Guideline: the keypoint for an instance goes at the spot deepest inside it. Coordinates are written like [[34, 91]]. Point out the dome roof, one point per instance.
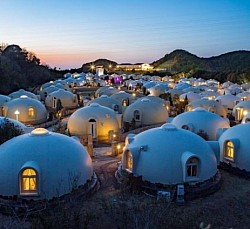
[[68, 99], [105, 119], [21, 92], [228, 100], [121, 95], [107, 101], [160, 154], [209, 105], [201, 120], [151, 112], [23, 104], [239, 136], [57, 158]]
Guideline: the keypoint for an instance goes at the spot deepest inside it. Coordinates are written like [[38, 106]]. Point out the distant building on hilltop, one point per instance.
[[135, 67], [99, 70]]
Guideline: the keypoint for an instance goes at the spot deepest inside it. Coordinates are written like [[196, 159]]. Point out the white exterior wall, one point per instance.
[[58, 158]]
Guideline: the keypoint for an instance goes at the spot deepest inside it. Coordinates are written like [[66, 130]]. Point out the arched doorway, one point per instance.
[[92, 128]]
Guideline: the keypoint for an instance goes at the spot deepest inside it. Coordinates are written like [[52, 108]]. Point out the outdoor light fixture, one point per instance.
[[17, 113]]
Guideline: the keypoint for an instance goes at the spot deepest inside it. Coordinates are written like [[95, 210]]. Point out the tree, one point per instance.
[[9, 130]]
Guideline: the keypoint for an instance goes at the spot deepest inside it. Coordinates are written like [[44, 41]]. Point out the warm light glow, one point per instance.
[[118, 146], [129, 161], [39, 131], [245, 113], [133, 94], [92, 67], [29, 181], [31, 112], [229, 150], [17, 112]]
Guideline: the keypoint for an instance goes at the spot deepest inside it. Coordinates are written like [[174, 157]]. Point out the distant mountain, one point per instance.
[[232, 66], [183, 61]]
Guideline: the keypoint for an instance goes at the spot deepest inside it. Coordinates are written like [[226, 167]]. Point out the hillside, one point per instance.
[[100, 62], [22, 69], [181, 60], [233, 66]]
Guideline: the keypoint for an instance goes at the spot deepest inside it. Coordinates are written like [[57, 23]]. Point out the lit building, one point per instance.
[[25, 110], [95, 120], [234, 147], [168, 156], [145, 112], [201, 122], [43, 165]]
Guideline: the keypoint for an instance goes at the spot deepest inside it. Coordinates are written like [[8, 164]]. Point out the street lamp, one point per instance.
[[92, 67], [118, 148], [17, 113]]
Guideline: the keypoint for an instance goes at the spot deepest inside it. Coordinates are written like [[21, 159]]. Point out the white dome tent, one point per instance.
[[68, 99], [144, 112], [168, 156], [46, 165], [25, 110], [96, 120], [200, 121], [241, 110], [107, 101], [234, 146], [209, 105], [20, 92], [229, 101]]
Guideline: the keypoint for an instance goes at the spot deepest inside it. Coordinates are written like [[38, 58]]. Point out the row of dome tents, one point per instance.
[[69, 100], [146, 155], [191, 165]]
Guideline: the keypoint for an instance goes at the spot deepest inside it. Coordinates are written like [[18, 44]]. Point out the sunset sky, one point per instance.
[[68, 33]]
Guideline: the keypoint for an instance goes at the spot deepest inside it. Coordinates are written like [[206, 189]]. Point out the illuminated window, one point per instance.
[[137, 115], [129, 161], [31, 112], [124, 103], [192, 167], [229, 150], [28, 181]]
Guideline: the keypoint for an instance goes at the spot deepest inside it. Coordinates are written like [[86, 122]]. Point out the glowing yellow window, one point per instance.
[[31, 112], [28, 181], [129, 161], [229, 150], [124, 103]]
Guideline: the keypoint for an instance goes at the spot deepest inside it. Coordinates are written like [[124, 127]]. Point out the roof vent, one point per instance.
[[145, 100], [94, 105], [39, 131], [104, 96], [23, 96], [199, 109], [168, 127]]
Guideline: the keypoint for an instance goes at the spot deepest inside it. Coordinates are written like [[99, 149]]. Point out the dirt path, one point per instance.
[[105, 167]]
